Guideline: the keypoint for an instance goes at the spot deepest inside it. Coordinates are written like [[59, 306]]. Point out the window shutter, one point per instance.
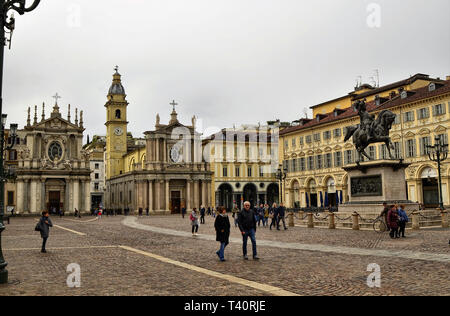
[[422, 147]]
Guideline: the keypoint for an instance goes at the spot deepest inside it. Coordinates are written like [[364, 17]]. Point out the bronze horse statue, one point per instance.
[[370, 131]]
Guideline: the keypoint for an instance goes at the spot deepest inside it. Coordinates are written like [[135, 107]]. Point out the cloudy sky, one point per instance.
[[226, 61]]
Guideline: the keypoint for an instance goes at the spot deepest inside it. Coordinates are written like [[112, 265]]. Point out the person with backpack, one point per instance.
[[402, 220], [44, 228]]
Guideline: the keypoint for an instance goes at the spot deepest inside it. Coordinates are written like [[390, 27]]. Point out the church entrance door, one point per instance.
[[54, 201], [175, 198]]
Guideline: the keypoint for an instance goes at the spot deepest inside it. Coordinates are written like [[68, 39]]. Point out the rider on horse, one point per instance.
[[367, 120]]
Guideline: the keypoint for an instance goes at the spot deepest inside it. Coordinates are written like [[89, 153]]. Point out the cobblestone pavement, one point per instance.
[[107, 269]]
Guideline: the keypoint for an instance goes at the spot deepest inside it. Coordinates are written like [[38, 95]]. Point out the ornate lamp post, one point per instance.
[[281, 176], [438, 153], [7, 25]]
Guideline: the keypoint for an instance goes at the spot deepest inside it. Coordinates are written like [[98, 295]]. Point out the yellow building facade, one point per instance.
[[314, 151]]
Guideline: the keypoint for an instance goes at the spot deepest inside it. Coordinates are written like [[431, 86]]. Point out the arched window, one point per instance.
[[117, 114]]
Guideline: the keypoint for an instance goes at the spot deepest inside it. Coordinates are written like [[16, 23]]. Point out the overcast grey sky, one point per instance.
[[226, 61]]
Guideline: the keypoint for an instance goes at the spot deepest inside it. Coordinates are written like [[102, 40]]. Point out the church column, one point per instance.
[[157, 151], [165, 150], [203, 198], [67, 207], [145, 193], [167, 195], [33, 200], [196, 194], [150, 195], [87, 196], [76, 194], [43, 195], [208, 193], [158, 195], [20, 196], [188, 194]]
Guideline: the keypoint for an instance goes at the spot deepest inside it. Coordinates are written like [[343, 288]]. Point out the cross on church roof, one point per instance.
[[173, 104], [56, 97]]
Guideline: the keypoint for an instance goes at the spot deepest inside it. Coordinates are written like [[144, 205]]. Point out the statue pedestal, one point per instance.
[[374, 182]]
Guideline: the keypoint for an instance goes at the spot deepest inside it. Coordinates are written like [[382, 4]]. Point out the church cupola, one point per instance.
[[117, 87]]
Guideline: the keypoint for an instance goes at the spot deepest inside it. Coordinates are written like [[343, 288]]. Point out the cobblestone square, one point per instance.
[[158, 255]]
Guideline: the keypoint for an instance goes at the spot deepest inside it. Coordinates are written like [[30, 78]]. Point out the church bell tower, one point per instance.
[[116, 127]]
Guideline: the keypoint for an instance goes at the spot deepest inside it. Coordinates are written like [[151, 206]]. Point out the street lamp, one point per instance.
[[281, 176], [7, 25], [438, 153]]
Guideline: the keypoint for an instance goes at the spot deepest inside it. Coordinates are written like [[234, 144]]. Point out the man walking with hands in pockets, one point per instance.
[[247, 226]]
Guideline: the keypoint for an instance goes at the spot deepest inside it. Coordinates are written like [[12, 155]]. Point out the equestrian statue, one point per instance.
[[370, 130]]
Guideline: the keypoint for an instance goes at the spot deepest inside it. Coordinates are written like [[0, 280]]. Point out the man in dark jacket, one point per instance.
[[202, 214], [44, 227], [281, 214], [247, 226]]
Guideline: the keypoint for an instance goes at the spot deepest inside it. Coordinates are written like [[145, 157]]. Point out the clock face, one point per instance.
[[118, 131], [175, 155]]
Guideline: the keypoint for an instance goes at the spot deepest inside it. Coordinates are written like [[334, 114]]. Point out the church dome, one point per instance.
[[116, 88]]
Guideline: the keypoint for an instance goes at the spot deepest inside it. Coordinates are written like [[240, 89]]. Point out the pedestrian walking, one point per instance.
[[247, 226], [266, 215], [281, 214], [384, 215], [235, 212], [147, 211], [44, 228], [402, 220], [183, 212], [274, 215], [99, 213], [260, 212], [194, 221], [202, 214], [393, 222], [222, 226]]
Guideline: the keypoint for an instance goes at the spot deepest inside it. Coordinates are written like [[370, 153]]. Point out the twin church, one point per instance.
[[162, 172]]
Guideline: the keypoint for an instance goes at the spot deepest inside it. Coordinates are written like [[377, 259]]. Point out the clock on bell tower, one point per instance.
[[116, 127]]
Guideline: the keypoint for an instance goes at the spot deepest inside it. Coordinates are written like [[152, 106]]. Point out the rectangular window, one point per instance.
[[96, 186], [338, 159], [424, 142], [301, 140], [308, 139], [409, 116], [10, 198], [97, 166], [410, 148], [397, 150], [238, 172], [397, 119], [328, 161], [423, 113], [294, 144], [302, 164], [348, 157], [286, 145], [317, 137], [443, 139], [383, 152], [326, 135], [439, 109], [225, 172], [337, 133], [12, 155], [97, 176], [319, 162], [372, 153], [311, 163], [249, 171], [261, 171]]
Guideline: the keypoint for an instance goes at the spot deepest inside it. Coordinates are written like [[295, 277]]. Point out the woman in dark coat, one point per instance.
[[393, 222], [44, 225], [222, 226]]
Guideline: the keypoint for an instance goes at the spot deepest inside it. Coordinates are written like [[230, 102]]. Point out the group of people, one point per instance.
[[396, 219], [247, 220]]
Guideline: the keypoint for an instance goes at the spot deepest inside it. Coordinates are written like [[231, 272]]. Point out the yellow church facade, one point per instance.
[[314, 152]]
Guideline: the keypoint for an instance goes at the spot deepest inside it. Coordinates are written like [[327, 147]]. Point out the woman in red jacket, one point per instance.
[[393, 221]]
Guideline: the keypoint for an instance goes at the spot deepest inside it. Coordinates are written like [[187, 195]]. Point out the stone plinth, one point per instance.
[[372, 183]]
